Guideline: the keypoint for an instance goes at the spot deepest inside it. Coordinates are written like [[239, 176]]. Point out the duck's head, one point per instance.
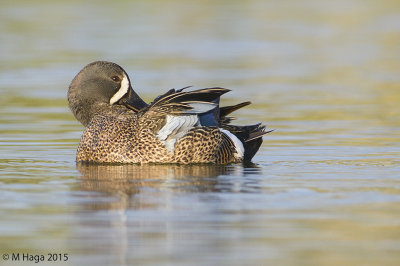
[[100, 85]]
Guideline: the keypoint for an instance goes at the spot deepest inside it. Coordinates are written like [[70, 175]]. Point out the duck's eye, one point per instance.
[[116, 78]]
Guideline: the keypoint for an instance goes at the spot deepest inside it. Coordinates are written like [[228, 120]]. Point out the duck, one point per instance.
[[179, 126]]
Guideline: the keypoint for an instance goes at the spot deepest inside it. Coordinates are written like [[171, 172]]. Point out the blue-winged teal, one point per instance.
[[177, 127]]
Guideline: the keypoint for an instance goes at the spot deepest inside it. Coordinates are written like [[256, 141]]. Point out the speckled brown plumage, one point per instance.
[[109, 139], [177, 127]]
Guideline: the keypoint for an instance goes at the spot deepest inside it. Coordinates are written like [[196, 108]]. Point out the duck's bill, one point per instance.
[[132, 101]]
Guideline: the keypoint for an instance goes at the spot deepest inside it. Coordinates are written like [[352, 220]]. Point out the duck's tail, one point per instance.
[[250, 136]]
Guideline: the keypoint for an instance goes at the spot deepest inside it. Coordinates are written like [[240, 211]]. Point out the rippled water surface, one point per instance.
[[324, 188]]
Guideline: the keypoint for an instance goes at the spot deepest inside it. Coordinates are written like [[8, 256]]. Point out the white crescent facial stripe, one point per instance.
[[238, 144], [122, 90]]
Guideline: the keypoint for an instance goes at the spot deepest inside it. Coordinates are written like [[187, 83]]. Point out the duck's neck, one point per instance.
[[84, 110]]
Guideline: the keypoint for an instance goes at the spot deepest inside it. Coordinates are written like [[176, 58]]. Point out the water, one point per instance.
[[324, 188]]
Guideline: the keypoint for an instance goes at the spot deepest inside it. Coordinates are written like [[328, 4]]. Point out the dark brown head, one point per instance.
[[101, 85]]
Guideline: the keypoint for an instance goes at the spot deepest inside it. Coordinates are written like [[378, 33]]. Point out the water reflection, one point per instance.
[[123, 182], [129, 178]]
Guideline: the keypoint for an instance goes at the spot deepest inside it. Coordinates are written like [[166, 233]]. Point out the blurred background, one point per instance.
[[325, 187]]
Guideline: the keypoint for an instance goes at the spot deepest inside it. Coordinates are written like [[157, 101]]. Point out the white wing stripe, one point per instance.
[[200, 107], [175, 128], [238, 144]]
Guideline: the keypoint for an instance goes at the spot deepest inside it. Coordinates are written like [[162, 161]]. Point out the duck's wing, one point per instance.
[[209, 115], [176, 112], [181, 102], [171, 91]]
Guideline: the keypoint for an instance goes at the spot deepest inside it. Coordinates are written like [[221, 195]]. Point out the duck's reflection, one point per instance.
[[129, 178], [125, 182]]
